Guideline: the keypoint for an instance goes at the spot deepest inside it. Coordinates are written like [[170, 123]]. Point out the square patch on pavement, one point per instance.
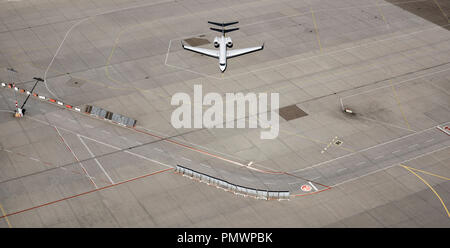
[[291, 112]]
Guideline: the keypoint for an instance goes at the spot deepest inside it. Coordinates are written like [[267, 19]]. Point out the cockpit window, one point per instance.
[[222, 64]]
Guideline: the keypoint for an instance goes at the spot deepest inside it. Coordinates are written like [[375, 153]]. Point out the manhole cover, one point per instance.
[[75, 82]]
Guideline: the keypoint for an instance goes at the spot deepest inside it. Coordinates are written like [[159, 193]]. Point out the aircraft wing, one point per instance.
[[204, 51], [237, 52]]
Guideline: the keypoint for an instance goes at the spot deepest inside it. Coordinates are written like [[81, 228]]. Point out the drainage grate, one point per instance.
[[291, 112], [197, 42]]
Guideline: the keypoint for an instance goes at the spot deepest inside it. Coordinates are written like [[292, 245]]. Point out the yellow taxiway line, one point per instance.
[[429, 186]]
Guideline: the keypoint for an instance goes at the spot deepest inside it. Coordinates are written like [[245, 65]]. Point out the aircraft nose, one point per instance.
[[223, 67]]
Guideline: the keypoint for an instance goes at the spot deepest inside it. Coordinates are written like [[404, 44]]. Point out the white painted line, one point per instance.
[[412, 146], [88, 126], [293, 183], [157, 149], [361, 163], [306, 58], [34, 159], [385, 123], [312, 185], [401, 82], [396, 164], [132, 153], [342, 169], [397, 151], [186, 159], [138, 143], [365, 149], [428, 141], [246, 179], [382, 156], [7, 151], [205, 165], [312, 179], [82, 166], [117, 148], [95, 159]]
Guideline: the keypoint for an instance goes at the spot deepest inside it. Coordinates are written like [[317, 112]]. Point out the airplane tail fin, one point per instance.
[[223, 24]]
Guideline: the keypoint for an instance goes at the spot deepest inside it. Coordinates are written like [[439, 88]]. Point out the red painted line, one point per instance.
[[314, 192], [85, 193], [213, 155], [67, 146]]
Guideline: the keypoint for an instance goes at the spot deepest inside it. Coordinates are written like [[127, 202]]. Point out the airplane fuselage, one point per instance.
[[222, 42]]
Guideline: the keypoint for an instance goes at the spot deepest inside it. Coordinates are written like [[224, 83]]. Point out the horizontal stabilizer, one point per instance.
[[224, 30], [223, 24]]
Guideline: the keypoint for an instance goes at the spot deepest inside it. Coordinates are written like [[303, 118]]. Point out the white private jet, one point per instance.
[[223, 43]]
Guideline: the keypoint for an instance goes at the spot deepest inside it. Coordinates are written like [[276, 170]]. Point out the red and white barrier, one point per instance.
[[44, 98]]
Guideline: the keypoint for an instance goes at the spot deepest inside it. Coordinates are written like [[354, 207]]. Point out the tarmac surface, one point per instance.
[[387, 61]]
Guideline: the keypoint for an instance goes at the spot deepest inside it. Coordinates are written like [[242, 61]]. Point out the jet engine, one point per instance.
[[216, 43], [229, 42]]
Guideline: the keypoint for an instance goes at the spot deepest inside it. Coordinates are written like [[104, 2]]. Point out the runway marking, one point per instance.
[[312, 185], [412, 146], [382, 15], [246, 179], [429, 186], [186, 159], [388, 167], [75, 25], [429, 173], [398, 83], [381, 156], [428, 141], [132, 153], [442, 11], [314, 56], [6, 218], [315, 27], [205, 165], [85, 193], [366, 149], [96, 160], [400, 106], [49, 165], [386, 123], [397, 151], [81, 165]]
